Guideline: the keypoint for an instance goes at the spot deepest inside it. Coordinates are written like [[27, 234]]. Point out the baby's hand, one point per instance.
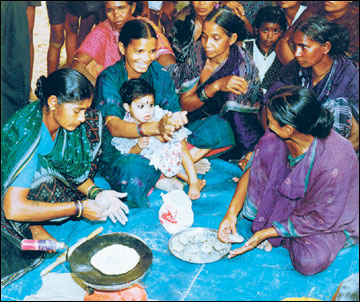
[[143, 142], [179, 119]]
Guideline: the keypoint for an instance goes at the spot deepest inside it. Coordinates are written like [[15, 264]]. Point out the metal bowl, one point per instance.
[[198, 245]]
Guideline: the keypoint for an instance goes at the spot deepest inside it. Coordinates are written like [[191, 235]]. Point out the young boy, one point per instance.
[[171, 158], [269, 24]]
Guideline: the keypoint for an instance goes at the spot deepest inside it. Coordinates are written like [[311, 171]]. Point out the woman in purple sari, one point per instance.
[[302, 190], [321, 64], [219, 78]]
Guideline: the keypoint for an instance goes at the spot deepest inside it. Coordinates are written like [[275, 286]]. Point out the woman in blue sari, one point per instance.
[[132, 173], [49, 155]]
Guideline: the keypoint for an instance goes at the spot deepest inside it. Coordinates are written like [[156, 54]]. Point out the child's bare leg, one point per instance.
[[198, 154], [202, 165], [195, 185]]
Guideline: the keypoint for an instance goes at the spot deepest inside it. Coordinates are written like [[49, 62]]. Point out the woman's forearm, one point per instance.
[[238, 199], [283, 51], [81, 67], [84, 187], [120, 128], [190, 101], [17, 207]]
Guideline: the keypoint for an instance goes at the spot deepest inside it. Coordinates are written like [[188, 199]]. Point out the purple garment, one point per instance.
[[248, 130], [310, 217], [341, 82], [239, 110]]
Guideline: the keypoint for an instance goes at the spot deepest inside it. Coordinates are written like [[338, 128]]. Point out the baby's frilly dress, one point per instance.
[[165, 157]]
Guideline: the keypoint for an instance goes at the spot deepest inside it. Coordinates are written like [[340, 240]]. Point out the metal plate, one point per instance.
[[81, 266], [198, 245]]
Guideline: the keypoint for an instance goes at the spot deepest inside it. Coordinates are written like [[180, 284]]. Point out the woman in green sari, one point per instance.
[[49, 154]]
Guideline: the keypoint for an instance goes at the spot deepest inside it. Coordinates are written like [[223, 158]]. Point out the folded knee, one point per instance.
[[310, 265]]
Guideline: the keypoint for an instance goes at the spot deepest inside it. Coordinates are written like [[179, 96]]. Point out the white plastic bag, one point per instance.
[[176, 213]]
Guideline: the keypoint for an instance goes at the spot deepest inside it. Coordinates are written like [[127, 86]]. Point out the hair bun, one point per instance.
[[322, 127], [39, 91]]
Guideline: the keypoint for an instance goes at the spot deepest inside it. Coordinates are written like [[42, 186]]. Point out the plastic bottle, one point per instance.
[[41, 245]]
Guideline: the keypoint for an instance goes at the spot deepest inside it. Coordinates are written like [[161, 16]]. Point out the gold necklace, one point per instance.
[[319, 76]]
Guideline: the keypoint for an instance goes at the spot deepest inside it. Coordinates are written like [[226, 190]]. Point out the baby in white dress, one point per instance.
[[172, 157]]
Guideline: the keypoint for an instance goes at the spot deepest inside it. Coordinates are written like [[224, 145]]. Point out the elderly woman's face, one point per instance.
[[204, 8], [118, 13], [307, 51], [215, 41]]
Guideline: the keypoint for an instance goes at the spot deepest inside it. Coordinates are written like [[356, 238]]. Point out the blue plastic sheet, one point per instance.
[[254, 276]]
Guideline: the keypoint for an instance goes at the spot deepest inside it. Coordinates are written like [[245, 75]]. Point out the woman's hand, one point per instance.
[[254, 241], [179, 119], [171, 122], [166, 127], [237, 8], [239, 11], [143, 142], [95, 210], [115, 207], [227, 227], [234, 84]]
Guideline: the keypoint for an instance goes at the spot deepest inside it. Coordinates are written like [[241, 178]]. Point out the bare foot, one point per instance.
[[202, 166], [265, 245], [169, 184], [194, 189]]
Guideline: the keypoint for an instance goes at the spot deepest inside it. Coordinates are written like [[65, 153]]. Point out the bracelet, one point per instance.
[[140, 130], [88, 190], [203, 96], [81, 208], [77, 208], [94, 191]]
